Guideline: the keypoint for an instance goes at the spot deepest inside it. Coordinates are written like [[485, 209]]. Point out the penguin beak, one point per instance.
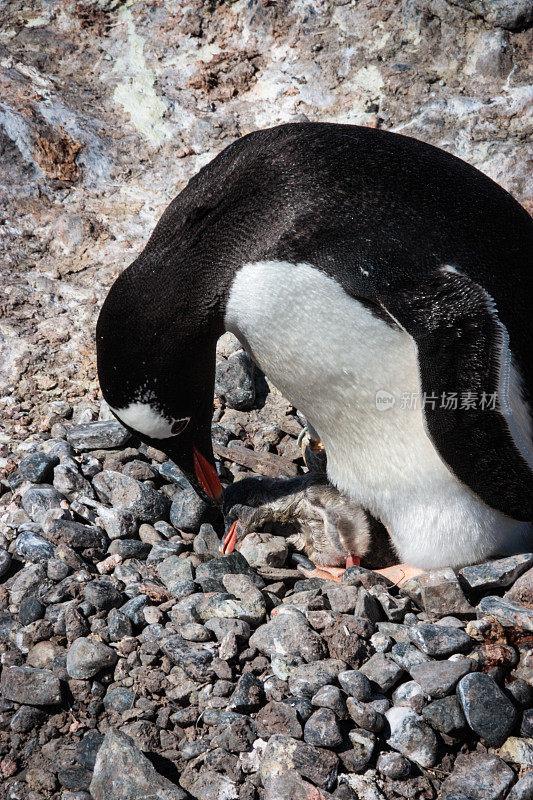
[[207, 476]]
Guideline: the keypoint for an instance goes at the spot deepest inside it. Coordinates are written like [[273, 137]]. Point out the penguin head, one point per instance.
[[158, 380]]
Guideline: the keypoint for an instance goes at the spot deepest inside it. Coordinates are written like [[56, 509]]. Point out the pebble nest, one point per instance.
[[137, 662]]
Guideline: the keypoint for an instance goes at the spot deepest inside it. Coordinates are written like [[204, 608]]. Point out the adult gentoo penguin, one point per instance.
[[385, 287]]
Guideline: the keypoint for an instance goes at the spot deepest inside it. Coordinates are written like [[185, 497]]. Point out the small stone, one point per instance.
[[322, 729], [188, 511], [445, 715], [98, 436], [410, 694], [127, 494], [521, 692], [517, 751], [249, 694], [38, 500], [103, 594], [86, 658], [192, 658], [119, 700], [307, 679], [118, 524], [129, 548], [393, 765], [480, 776], [440, 640], [282, 755], [30, 686], [441, 593], [210, 574], [173, 571], [134, 609], [87, 748], [33, 547], [382, 671], [487, 710], [27, 719], [5, 562], [235, 382], [38, 467], [410, 735], [364, 716], [331, 697], [381, 643], [206, 543], [122, 772], [439, 678], [280, 718], [343, 598], [288, 633], [363, 746], [523, 789], [496, 574], [508, 612], [522, 590], [407, 656], [118, 625], [30, 610], [356, 684], [264, 549]]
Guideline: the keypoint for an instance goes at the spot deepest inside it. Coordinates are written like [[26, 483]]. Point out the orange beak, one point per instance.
[[207, 476], [229, 542]]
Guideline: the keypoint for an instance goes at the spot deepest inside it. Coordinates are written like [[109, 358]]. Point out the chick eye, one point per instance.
[[179, 425]]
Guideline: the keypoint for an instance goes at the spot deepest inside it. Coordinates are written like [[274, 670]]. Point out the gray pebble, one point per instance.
[[86, 658], [439, 640], [393, 765], [480, 776], [38, 467], [33, 547], [438, 678], [127, 494], [382, 671], [410, 735], [356, 684], [322, 729], [30, 686], [487, 710], [445, 715], [98, 436]]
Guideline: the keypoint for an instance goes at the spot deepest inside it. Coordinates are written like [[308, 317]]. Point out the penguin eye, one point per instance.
[[179, 425]]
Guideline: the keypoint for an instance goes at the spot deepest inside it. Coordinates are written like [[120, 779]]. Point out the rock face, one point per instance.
[[122, 772]]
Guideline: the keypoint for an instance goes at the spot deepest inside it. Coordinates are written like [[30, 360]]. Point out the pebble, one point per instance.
[[523, 789], [119, 700], [410, 694], [30, 686], [307, 679], [411, 737], [249, 694], [118, 625], [206, 543], [480, 776], [127, 494], [393, 765], [364, 716], [445, 715], [98, 436], [192, 658], [264, 549], [439, 678], [188, 511], [488, 711], [38, 500], [86, 658], [122, 772], [38, 467], [508, 612], [289, 633], [234, 381], [331, 697], [496, 574], [5, 562], [440, 640], [322, 729], [407, 656], [382, 671], [103, 594], [356, 684]]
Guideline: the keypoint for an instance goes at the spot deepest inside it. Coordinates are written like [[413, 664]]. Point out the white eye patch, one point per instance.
[[145, 419]]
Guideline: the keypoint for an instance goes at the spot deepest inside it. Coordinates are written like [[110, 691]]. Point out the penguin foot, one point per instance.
[[400, 573]]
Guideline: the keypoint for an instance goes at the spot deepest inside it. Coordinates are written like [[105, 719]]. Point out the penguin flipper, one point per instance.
[[474, 412]]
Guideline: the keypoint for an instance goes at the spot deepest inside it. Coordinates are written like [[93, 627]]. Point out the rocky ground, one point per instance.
[[137, 662]]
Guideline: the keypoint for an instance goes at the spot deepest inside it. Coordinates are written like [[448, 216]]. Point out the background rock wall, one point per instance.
[[108, 107]]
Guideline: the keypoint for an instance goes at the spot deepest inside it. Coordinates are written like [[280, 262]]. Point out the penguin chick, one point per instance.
[[331, 529]]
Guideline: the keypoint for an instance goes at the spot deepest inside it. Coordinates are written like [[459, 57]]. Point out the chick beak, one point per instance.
[[229, 540], [207, 476]]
